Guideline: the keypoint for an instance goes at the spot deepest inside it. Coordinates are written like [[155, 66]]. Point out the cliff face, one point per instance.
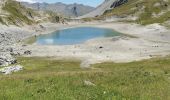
[[70, 10], [106, 5], [118, 3]]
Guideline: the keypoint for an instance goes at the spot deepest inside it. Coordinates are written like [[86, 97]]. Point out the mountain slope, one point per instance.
[[13, 13], [106, 5], [139, 11], [72, 10], [144, 11]]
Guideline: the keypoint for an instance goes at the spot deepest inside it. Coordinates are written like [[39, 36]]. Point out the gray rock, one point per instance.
[[88, 83], [10, 49], [28, 52], [6, 59], [11, 69]]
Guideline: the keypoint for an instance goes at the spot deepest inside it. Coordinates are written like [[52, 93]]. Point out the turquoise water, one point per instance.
[[74, 36]]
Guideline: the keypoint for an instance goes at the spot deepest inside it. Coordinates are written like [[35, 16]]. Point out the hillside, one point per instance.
[[13, 13], [142, 11], [138, 11], [68, 10], [100, 9]]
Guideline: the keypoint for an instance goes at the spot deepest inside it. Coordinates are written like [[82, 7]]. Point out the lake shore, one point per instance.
[[143, 42]]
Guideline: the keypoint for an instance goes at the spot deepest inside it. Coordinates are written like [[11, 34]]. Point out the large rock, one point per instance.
[[88, 83], [118, 3], [11, 69], [6, 59]]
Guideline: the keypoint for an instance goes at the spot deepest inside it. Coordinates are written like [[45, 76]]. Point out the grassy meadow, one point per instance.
[[49, 79]]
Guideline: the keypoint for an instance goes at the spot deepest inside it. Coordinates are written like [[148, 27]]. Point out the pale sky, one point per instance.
[[93, 3]]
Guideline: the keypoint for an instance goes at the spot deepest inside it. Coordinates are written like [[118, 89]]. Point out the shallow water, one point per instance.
[[74, 36]]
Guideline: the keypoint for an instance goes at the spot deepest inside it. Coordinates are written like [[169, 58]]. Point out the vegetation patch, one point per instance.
[[49, 79], [30, 40], [1, 21], [17, 13]]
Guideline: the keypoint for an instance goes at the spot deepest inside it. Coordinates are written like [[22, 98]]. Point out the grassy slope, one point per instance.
[[17, 13], [134, 7], [1, 20], [45, 79]]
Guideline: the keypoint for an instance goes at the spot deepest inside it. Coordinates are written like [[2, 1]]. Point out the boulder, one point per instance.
[[88, 83], [10, 49], [7, 59], [100, 47], [11, 69], [28, 52]]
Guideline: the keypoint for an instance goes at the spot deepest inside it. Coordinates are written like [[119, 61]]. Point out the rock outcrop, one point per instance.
[[9, 36], [6, 59], [118, 3], [11, 69], [106, 5]]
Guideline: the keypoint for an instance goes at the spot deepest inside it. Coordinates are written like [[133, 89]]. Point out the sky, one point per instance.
[[93, 3]]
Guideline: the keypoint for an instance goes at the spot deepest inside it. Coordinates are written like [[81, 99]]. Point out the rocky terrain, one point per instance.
[[13, 16], [67, 10], [8, 38]]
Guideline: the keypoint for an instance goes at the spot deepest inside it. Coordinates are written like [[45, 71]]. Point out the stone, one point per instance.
[[100, 47], [118, 3], [88, 83], [28, 52], [10, 49], [7, 59], [11, 69]]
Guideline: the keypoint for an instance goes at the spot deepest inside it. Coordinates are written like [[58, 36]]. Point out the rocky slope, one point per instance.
[[106, 5], [12, 17], [72, 10]]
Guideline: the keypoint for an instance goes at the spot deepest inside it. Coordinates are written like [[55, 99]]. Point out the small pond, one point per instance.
[[74, 36]]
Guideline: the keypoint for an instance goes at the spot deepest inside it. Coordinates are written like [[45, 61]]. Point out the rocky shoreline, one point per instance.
[[152, 40], [11, 37]]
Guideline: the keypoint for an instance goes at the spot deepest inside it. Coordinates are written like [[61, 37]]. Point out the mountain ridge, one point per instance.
[[68, 10]]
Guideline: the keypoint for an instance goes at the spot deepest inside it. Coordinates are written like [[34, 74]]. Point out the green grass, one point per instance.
[[1, 20], [91, 19], [30, 40], [49, 79]]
